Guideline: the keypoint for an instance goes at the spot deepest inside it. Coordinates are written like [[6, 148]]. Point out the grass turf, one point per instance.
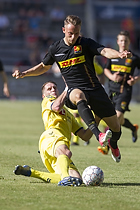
[[20, 129]]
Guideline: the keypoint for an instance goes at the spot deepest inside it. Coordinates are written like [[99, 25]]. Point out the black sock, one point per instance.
[[113, 144], [128, 124], [114, 139], [88, 117]]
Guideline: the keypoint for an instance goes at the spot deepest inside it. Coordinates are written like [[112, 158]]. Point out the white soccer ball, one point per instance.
[[93, 175]]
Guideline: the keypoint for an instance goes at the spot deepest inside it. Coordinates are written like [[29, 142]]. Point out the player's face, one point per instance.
[[71, 33], [123, 42], [50, 89]]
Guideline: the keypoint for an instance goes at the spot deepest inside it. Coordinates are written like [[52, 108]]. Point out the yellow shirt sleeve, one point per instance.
[[98, 68]]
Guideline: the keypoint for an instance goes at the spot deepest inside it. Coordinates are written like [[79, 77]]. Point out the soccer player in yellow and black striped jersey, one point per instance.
[[121, 80], [54, 143]]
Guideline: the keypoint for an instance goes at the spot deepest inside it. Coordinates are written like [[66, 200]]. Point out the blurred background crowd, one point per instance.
[[28, 27]]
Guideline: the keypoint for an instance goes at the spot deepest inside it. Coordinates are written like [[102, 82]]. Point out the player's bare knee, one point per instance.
[[69, 154], [79, 96]]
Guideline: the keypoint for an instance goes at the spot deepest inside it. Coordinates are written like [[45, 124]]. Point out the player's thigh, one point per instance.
[[120, 117], [97, 119], [61, 148], [113, 123], [76, 95]]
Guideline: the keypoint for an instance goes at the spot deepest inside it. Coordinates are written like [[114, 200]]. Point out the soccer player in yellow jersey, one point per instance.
[[54, 143]]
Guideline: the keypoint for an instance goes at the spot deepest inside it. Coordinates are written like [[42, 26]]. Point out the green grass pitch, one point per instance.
[[20, 128]]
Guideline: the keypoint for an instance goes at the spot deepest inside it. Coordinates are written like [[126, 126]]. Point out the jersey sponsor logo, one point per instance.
[[77, 49], [72, 61], [119, 68]]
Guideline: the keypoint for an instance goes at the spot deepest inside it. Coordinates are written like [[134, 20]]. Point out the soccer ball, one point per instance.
[[93, 176]]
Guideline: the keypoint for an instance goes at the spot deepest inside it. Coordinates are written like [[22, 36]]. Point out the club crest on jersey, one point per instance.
[[77, 49], [128, 62], [123, 105]]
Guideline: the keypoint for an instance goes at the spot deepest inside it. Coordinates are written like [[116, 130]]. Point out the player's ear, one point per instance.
[[63, 29], [43, 96]]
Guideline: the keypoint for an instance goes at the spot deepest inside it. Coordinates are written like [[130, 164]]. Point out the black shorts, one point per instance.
[[121, 100], [98, 101]]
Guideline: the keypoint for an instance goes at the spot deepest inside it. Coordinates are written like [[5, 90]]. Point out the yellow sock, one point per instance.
[[48, 177], [63, 165], [75, 139]]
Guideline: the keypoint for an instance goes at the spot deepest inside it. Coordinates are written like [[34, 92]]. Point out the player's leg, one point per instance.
[[30, 172], [127, 124], [115, 127], [78, 98], [63, 164]]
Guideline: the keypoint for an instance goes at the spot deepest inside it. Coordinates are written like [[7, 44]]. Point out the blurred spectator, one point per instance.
[[5, 82], [4, 22], [77, 1], [21, 25], [34, 18], [127, 24], [45, 40], [32, 59], [57, 15], [32, 40]]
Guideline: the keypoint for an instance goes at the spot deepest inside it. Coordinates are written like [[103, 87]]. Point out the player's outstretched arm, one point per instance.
[[34, 71], [111, 53], [59, 102], [85, 134]]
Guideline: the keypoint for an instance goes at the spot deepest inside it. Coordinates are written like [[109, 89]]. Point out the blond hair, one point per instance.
[[72, 19]]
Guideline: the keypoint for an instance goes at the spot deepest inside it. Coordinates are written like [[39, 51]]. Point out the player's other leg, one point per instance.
[[126, 96], [133, 128], [115, 127], [77, 97], [135, 133], [30, 172], [63, 155]]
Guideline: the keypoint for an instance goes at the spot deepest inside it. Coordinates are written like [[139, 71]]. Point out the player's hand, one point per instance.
[[17, 74], [132, 80], [116, 77], [125, 54]]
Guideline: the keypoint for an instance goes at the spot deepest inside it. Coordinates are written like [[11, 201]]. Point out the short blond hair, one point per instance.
[[72, 19]]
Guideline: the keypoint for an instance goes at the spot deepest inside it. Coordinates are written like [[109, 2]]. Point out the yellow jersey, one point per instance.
[[63, 121]]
